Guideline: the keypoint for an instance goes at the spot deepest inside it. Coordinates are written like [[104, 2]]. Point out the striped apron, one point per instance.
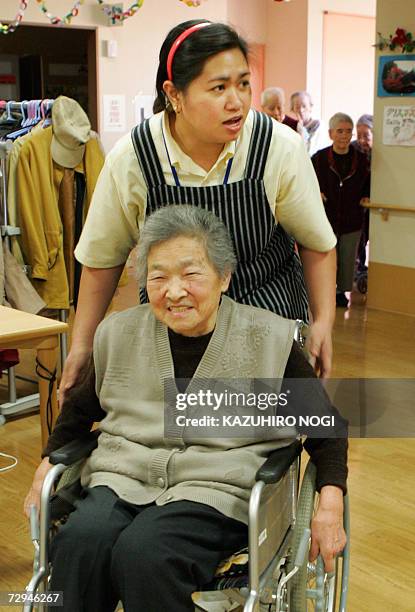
[[269, 273]]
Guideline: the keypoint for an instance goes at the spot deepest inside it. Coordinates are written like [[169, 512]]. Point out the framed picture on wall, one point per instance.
[[396, 75]]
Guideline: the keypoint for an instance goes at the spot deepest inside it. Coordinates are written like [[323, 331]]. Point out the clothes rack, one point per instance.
[[38, 109], [15, 405]]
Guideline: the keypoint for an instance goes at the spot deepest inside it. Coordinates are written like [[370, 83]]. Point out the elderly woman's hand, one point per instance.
[[33, 497], [328, 537]]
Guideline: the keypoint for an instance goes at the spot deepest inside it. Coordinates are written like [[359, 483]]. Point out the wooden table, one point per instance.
[[21, 330]]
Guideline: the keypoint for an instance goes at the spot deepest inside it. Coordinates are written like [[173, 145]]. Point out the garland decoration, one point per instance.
[[192, 3], [66, 19], [401, 38], [117, 15], [11, 27]]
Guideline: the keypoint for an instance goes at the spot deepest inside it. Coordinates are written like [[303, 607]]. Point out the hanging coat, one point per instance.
[[38, 180]]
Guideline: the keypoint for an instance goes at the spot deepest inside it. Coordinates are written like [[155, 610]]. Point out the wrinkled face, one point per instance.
[[364, 137], [183, 288], [275, 108], [341, 136], [302, 108], [215, 104]]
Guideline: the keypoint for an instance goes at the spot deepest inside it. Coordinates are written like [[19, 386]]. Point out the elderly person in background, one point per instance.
[[364, 143], [314, 131], [273, 104], [344, 176], [162, 507], [364, 133]]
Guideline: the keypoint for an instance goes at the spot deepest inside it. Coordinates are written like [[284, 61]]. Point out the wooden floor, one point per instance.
[[367, 343]]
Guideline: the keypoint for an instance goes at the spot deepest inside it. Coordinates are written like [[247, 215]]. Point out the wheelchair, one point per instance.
[[272, 575]]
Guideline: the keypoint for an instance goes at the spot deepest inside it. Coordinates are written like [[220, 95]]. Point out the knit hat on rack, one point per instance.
[[71, 130]]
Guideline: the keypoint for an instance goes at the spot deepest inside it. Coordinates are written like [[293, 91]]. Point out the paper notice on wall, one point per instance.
[[143, 108], [114, 113], [399, 126]]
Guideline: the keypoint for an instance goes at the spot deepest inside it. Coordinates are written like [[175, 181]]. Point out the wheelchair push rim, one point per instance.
[[312, 589]]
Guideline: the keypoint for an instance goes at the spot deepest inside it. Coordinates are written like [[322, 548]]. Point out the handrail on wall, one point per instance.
[[385, 209]]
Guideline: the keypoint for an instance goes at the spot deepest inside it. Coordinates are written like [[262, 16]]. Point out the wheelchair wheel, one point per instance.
[[311, 588], [361, 283]]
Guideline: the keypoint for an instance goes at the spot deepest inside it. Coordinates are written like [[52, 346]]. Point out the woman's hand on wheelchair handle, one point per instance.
[[328, 537], [320, 348], [75, 363], [33, 497]]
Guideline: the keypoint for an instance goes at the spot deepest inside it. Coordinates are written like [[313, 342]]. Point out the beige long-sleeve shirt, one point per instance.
[[119, 204]]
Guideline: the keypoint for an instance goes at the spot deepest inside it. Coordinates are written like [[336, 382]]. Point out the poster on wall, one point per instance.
[[114, 113], [399, 126], [396, 75]]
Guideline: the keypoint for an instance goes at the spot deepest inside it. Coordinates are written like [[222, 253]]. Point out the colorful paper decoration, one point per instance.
[[54, 19], [10, 27]]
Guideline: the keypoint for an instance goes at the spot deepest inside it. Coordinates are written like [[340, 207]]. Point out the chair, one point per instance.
[[273, 574]]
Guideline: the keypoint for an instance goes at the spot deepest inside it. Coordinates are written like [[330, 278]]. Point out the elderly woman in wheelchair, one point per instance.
[[161, 505]]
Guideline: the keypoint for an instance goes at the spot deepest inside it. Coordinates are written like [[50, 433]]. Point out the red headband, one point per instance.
[[178, 42]]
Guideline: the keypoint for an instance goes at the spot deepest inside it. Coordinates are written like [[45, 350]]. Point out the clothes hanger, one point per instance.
[[48, 119], [24, 129]]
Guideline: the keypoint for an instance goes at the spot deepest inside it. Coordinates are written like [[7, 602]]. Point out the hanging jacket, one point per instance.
[[38, 180], [343, 195], [12, 206]]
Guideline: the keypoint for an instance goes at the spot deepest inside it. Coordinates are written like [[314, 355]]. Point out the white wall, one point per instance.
[[249, 18], [286, 52], [348, 70], [392, 242], [316, 9]]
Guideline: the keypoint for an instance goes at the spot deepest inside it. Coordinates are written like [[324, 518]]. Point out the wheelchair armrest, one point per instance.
[[75, 450], [278, 463]]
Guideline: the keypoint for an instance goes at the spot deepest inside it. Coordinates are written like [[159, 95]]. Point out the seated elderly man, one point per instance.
[[160, 511]]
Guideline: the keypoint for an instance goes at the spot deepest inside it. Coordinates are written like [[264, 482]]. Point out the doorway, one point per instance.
[[348, 73], [46, 62]]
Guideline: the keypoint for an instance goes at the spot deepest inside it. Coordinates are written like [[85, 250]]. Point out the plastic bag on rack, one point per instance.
[[19, 291]]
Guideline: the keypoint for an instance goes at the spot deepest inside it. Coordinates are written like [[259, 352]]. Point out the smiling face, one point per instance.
[[183, 287], [341, 136], [364, 137], [213, 108]]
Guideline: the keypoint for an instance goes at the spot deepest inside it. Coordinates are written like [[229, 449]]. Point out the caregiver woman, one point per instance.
[[206, 147]]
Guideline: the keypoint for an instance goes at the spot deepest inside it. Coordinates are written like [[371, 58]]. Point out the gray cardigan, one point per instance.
[[140, 460]]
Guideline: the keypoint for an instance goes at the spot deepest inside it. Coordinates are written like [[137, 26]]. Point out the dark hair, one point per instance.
[[192, 54]]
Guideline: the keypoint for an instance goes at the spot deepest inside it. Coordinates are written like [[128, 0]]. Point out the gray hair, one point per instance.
[[365, 120], [183, 220], [271, 93], [300, 94], [337, 118]]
